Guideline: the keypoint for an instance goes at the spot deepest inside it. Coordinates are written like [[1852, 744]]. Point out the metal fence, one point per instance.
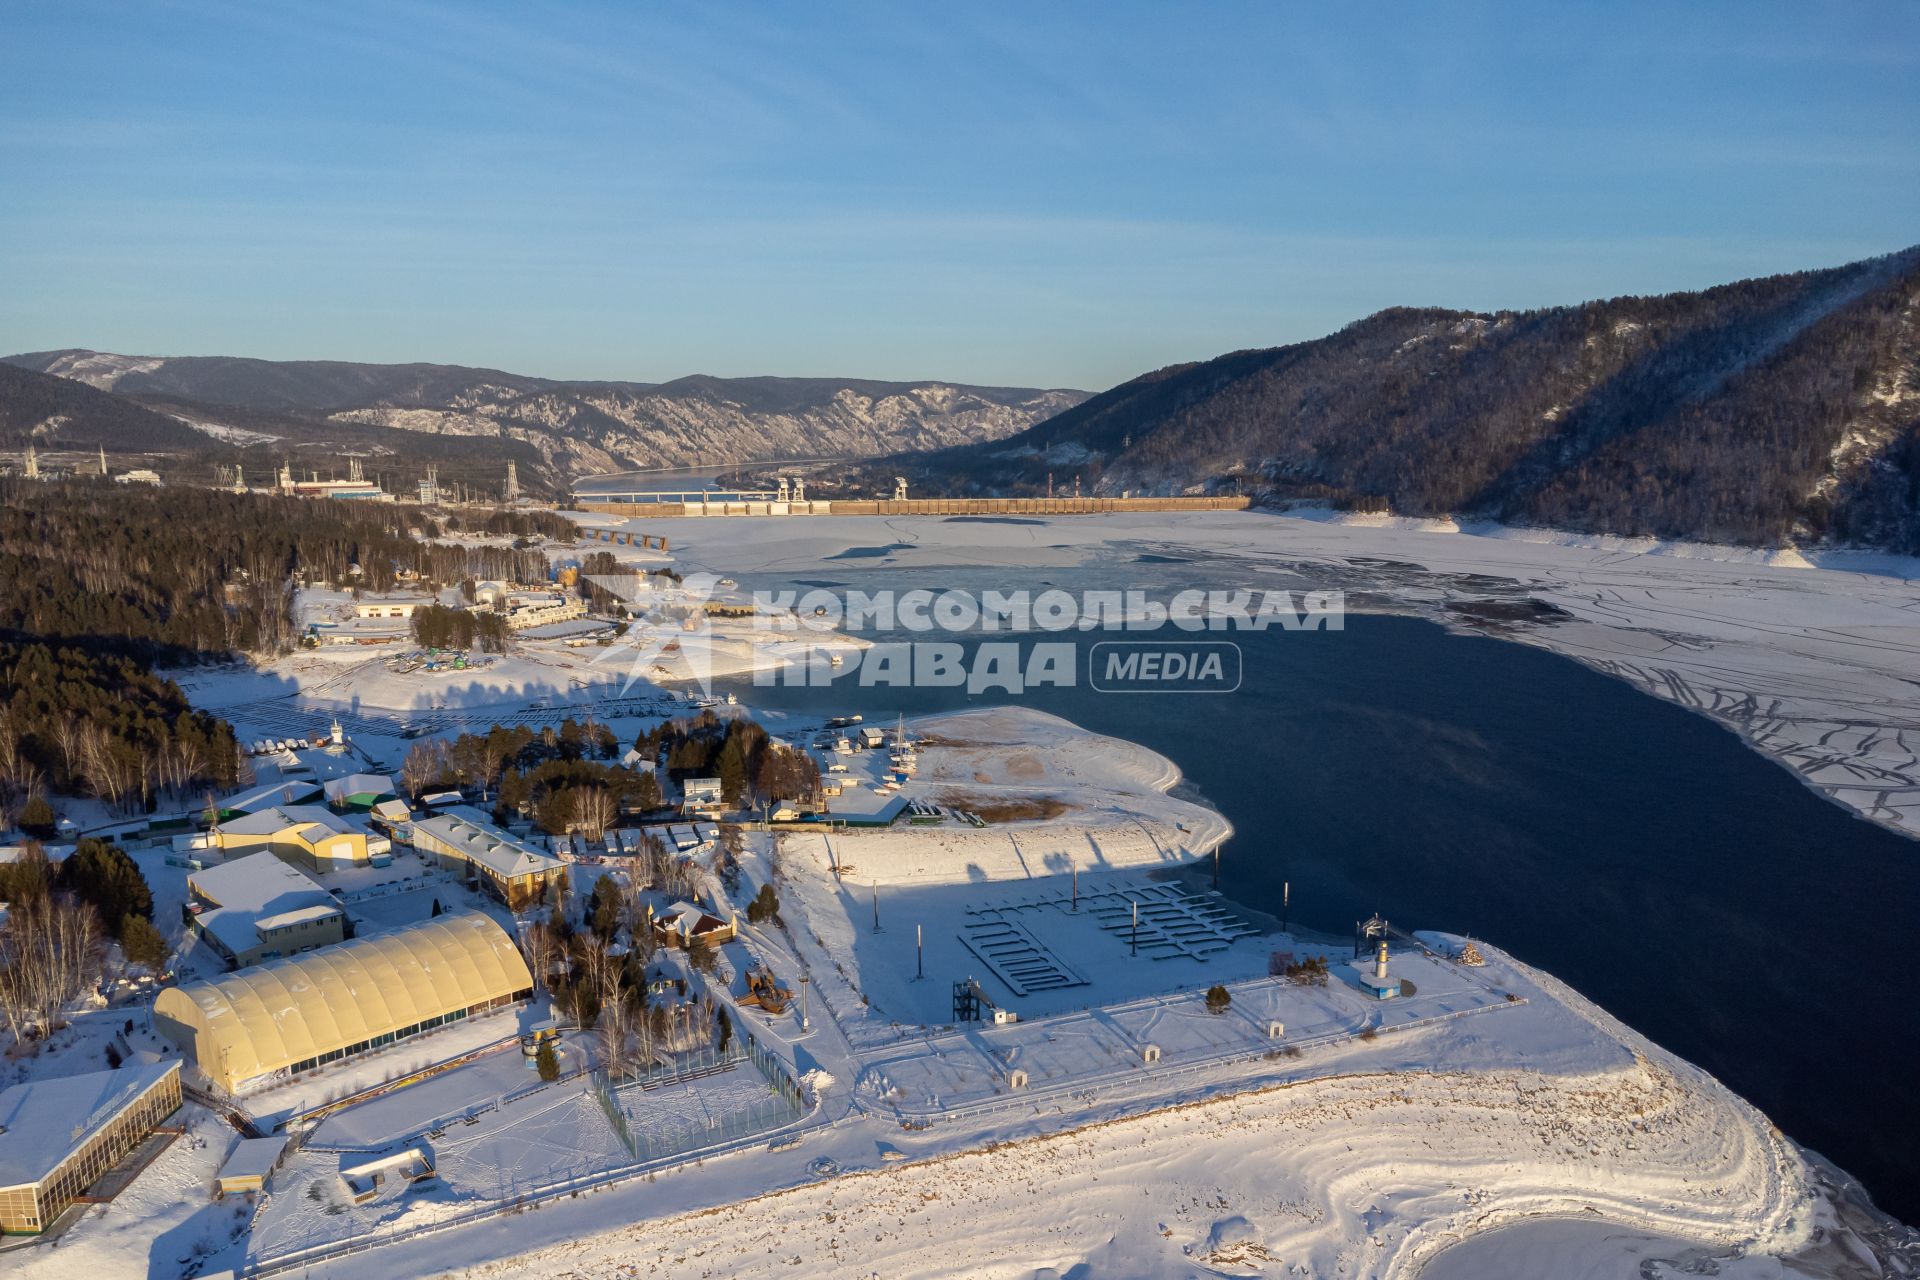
[[1107, 1082]]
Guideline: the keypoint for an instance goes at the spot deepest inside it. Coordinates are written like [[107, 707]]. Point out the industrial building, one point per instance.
[[57, 1136], [290, 1016], [308, 836], [487, 857], [258, 908]]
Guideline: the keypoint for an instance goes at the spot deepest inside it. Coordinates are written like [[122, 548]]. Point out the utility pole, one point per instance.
[[876, 906], [804, 1022], [919, 954], [1076, 889], [1286, 897], [1216, 867], [1133, 947]]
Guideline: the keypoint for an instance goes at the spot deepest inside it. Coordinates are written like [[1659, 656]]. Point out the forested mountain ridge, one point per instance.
[[55, 412], [1776, 410], [568, 427]]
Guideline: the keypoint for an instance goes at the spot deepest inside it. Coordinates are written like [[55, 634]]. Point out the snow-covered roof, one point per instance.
[[272, 821], [339, 790], [42, 1121], [482, 842], [259, 882], [299, 915], [272, 793], [689, 917], [253, 1157], [253, 893]]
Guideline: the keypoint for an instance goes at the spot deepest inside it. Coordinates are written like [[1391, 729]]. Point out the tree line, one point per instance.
[[74, 722], [440, 626], [182, 574], [59, 921], [751, 764]]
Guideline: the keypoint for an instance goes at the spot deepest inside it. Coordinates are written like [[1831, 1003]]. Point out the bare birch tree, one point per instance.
[[51, 951]]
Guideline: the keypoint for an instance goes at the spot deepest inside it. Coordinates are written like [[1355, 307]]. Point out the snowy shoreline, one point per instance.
[[1376, 1162]]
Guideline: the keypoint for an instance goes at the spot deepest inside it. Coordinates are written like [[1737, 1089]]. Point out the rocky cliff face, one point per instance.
[[579, 426]]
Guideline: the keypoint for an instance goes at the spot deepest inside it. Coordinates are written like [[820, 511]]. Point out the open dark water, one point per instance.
[[1636, 850]]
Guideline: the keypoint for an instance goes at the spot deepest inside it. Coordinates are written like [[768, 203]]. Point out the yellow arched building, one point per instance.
[[288, 1016]]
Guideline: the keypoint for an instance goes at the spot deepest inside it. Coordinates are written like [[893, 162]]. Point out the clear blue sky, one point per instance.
[[1044, 194]]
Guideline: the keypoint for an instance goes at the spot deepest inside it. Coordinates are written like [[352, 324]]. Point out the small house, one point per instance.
[[686, 923], [702, 797]]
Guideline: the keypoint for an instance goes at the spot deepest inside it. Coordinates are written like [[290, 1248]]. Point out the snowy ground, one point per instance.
[[1454, 1132], [1365, 1159]]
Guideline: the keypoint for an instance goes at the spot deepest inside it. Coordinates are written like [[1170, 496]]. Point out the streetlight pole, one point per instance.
[[805, 1022]]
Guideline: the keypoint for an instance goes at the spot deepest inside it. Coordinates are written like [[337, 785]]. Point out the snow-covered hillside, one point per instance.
[[586, 426]]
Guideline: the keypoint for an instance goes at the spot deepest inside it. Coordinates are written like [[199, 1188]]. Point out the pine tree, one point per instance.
[[36, 817], [143, 944], [103, 874]]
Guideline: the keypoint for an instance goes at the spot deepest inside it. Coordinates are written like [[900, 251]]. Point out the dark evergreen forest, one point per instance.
[[101, 582]]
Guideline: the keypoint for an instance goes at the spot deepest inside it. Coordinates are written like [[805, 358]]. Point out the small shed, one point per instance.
[[248, 1165]]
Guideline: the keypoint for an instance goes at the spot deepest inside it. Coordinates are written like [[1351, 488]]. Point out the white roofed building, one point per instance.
[[485, 856], [57, 1136], [258, 908]]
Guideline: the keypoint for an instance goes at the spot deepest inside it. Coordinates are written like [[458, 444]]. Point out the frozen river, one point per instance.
[[1632, 848]]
